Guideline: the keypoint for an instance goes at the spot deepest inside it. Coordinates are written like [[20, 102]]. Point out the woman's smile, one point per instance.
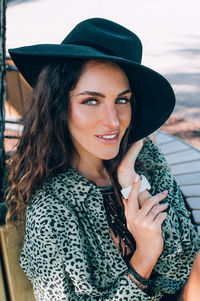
[[109, 138], [100, 110]]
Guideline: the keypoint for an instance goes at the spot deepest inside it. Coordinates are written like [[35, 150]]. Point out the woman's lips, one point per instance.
[[111, 138]]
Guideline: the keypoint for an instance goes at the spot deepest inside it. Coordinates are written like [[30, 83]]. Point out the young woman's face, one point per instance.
[[100, 110]]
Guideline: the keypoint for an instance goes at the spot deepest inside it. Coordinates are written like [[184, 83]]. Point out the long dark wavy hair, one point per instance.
[[45, 147]]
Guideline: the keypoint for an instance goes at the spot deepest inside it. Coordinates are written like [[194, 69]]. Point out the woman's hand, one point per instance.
[[145, 225], [143, 213], [126, 171]]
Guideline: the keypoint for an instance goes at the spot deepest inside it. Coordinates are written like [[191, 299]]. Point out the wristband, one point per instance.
[[142, 283], [137, 277], [144, 185]]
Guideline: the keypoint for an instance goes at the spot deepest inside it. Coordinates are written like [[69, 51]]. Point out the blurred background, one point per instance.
[[169, 31]]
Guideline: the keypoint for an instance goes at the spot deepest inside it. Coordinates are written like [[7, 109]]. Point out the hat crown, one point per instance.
[[108, 37]]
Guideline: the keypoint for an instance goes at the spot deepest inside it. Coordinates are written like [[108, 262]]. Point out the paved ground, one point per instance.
[[188, 130], [169, 31]]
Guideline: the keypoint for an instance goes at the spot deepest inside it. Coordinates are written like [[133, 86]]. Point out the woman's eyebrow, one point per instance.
[[93, 93], [125, 92]]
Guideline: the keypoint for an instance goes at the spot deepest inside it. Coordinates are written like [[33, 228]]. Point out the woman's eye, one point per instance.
[[122, 100], [90, 102]]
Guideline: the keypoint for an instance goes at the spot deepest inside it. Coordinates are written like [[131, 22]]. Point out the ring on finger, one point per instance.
[[152, 212]]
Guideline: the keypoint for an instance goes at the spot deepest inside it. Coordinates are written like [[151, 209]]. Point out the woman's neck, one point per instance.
[[93, 170]]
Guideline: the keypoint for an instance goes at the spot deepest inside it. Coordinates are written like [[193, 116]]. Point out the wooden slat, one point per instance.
[[191, 190], [172, 147], [162, 138], [2, 288], [196, 216], [188, 179], [184, 161], [193, 203], [183, 156], [20, 288], [185, 168]]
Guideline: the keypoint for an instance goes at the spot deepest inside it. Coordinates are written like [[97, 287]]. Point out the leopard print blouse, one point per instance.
[[68, 252]]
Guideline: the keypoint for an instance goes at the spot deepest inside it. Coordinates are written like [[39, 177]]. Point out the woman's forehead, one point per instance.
[[102, 75]]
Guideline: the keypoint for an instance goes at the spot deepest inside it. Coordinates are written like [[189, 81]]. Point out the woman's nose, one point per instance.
[[110, 117]]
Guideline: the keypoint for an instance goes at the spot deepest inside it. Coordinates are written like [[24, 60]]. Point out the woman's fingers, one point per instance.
[[132, 202], [150, 210], [145, 221], [155, 211], [133, 152], [126, 172], [133, 206], [150, 203], [125, 201], [160, 218], [143, 196]]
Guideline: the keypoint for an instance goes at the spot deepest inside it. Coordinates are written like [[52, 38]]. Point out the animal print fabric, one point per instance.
[[68, 252]]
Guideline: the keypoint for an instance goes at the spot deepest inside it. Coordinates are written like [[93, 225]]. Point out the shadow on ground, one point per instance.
[[188, 130]]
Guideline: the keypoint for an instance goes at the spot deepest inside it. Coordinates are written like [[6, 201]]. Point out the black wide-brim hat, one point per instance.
[[99, 38]]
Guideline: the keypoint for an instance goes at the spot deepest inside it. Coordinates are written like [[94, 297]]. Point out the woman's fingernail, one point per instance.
[[165, 192], [136, 179]]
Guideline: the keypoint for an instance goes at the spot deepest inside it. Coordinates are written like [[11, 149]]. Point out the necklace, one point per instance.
[[117, 223]]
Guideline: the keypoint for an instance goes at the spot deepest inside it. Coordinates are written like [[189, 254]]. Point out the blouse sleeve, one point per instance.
[[181, 241], [54, 258]]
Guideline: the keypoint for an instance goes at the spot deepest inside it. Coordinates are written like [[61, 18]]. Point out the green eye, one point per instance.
[[90, 102], [122, 100]]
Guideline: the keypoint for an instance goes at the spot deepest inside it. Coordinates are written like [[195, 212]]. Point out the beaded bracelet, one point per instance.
[[141, 282]]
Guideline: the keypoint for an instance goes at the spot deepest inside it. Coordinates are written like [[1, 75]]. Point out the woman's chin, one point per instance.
[[109, 156]]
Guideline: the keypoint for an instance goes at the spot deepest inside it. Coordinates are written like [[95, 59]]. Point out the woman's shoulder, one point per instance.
[[152, 163], [45, 205], [151, 160], [47, 201], [62, 194], [57, 185], [152, 153]]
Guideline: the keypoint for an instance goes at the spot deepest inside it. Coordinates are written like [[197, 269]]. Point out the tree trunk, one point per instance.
[[2, 94]]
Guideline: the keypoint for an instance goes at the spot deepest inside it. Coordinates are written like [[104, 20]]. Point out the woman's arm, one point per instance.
[[145, 225], [143, 213], [191, 290], [144, 217], [181, 242]]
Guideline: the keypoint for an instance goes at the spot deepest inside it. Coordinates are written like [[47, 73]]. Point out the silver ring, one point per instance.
[[152, 212]]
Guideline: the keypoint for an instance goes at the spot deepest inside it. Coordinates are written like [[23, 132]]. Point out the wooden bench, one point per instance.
[[2, 284], [15, 284], [184, 161]]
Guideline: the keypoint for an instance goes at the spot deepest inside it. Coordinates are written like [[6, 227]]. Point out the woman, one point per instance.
[[84, 241]]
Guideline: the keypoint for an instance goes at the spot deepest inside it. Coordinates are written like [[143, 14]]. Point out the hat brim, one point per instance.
[[155, 99]]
